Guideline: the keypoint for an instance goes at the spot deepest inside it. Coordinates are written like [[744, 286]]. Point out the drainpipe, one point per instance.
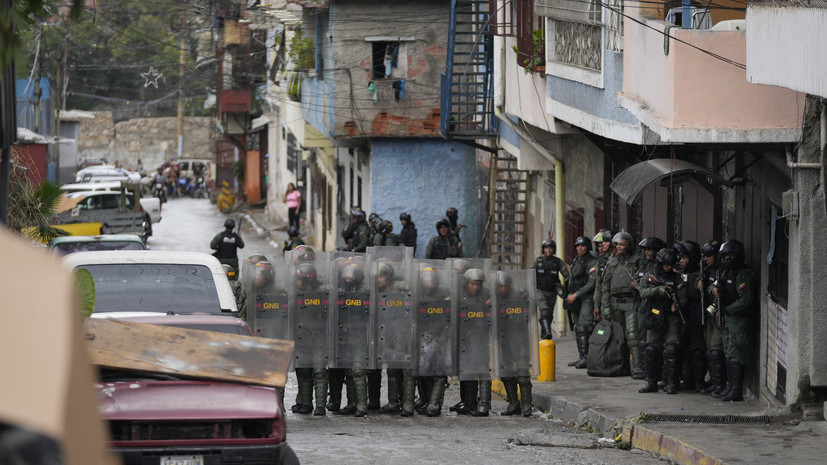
[[559, 204], [792, 164]]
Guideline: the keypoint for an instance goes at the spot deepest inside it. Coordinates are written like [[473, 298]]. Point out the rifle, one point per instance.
[[672, 290], [719, 315], [703, 291]]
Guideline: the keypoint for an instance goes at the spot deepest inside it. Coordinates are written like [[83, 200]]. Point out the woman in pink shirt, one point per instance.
[[293, 199]]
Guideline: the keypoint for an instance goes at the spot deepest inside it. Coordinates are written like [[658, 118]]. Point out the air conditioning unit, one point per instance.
[[701, 17]]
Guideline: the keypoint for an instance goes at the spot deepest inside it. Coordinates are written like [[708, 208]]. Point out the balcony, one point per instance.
[[686, 95], [235, 101]]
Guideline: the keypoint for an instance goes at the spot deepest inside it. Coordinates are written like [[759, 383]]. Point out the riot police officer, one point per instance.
[[514, 331], [452, 214], [736, 291], [662, 292], [241, 289], [294, 239], [475, 340], [713, 336], [583, 271], [313, 372], [226, 244], [444, 244], [603, 243], [548, 268], [649, 247], [352, 279], [619, 294], [693, 360], [407, 236], [434, 333]]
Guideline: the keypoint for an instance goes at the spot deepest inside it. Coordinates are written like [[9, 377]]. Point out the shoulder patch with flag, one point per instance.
[[592, 269], [742, 286]]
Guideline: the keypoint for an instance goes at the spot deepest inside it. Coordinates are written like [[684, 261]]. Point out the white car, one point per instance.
[[108, 173], [151, 205], [155, 281], [116, 212]]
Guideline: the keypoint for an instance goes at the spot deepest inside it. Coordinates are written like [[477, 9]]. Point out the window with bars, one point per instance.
[[614, 25]]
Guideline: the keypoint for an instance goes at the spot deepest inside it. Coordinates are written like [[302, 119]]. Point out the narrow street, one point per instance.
[[189, 225]]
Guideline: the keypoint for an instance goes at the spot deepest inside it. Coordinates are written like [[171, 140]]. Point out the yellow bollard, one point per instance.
[[548, 355]]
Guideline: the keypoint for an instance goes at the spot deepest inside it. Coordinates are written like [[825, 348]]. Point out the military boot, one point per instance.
[[687, 372], [350, 390], [717, 374], [510, 385], [422, 387], [434, 408], [393, 393], [670, 357], [642, 345], [374, 389], [545, 328], [727, 369], [654, 366], [336, 380], [360, 383], [583, 334], [699, 370], [306, 391], [468, 394], [320, 386], [736, 372], [408, 393], [525, 395], [485, 399]]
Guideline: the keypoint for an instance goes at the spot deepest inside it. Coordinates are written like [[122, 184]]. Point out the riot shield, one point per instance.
[[350, 305], [393, 329], [394, 253], [267, 300], [302, 253], [515, 324], [435, 312], [309, 310], [461, 265], [475, 344]]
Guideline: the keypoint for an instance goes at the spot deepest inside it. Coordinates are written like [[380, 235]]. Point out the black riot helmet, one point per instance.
[[452, 214], [304, 253], [255, 258], [353, 275], [375, 221], [229, 224], [461, 265], [583, 240], [626, 237], [307, 273], [710, 248], [732, 247], [442, 222], [264, 273], [666, 257], [385, 227], [358, 214], [549, 243], [293, 231], [689, 249], [405, 216], [384, 269], [651, 243]]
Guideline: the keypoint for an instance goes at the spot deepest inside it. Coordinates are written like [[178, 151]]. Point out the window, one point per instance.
[[385, 58]]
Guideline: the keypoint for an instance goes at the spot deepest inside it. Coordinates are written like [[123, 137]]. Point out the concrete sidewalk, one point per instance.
[[690, 428]]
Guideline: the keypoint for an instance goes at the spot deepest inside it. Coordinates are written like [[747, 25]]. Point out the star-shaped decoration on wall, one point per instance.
[[151, 77]]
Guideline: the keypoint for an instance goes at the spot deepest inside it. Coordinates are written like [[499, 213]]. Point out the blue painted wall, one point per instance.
[[425, 177], [598, 102], [25, 105]]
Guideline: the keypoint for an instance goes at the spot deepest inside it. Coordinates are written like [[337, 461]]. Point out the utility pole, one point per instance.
[[181, 63]]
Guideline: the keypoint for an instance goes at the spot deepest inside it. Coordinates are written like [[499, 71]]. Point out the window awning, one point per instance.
[[633, 180]]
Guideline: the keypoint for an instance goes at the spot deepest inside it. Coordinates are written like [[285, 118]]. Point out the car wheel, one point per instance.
[[290, 457]]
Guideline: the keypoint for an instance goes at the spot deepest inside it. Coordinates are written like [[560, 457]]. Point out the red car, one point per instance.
[[160, 419]]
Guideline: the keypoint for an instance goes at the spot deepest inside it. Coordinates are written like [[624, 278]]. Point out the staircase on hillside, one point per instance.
[[467, 110], [507, 235]]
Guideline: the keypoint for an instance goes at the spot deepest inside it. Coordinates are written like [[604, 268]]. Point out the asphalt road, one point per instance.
[[190, 224]]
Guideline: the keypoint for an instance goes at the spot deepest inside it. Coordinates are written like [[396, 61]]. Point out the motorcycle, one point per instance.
[[159, 192], [198, 189]]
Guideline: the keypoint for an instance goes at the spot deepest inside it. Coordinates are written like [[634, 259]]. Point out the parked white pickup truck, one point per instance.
[[151, 205]]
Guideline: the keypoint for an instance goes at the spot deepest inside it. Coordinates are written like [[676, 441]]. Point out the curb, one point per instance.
[[638, 436]]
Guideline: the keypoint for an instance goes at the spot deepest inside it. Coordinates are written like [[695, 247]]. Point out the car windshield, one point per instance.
[[154, 287], [66, 248]]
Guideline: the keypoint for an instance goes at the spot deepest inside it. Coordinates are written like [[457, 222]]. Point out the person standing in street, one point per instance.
[[713, 336], [226, 245], [736, 290], [649, 248], [444, 244], [548, 268], [693, 360], [619, 294], [605, 249], [293, 199], [580, 299]]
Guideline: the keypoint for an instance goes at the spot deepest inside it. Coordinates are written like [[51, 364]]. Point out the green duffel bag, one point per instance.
[[608, 352]]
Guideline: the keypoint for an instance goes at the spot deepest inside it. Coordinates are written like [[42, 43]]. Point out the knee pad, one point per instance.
[[651, 350], [631, 336], [671, 350]]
